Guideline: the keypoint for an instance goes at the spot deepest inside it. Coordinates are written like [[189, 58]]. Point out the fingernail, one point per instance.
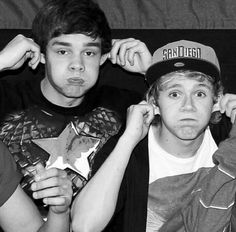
[[35, 195]]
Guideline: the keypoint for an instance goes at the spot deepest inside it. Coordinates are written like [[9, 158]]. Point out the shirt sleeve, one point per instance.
[[9, 176]]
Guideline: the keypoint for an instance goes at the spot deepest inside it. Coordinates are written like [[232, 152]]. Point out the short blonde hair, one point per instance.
[[153, 92]]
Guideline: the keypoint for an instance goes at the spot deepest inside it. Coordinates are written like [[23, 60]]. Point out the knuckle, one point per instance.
[[20, 36]]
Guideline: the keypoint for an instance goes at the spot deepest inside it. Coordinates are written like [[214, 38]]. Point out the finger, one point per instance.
[[222, 103], [116, 46], [134, 52], [114, 50], [146, 109], [134, 49], [49, 173], [118, 61], [35, 59], [125, 46], [143, 102], [34, 53], [51, 182], [39, 168], [42, 58], [131, 56], [65, 190], [230, 106], [149, 115], [57, 201], [224, 100], [232, 116]]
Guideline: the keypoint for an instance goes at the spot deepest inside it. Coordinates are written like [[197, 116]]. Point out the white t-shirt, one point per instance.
[[171, 178]]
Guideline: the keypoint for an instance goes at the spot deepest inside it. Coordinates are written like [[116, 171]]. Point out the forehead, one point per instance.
[[179, 80], [75, 40]]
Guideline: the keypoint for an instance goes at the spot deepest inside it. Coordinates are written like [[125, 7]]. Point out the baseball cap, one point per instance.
[[183, 55]]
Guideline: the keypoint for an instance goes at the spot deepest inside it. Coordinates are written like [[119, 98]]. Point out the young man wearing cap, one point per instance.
[[161, 173]]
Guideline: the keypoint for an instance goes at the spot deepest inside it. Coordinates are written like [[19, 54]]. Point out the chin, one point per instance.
[[187, 138], [188, 134], [71, 94]]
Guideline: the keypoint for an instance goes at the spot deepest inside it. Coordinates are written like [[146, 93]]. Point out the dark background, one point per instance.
[[155, 22], [223, 41]]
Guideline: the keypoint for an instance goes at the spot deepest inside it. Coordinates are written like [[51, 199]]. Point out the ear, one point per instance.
[[216, 106], [156, 109], [153, 103], [104, 57], [42, 58]]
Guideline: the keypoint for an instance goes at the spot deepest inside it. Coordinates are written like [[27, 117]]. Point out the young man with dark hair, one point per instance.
[[161, 174], [41, 118]]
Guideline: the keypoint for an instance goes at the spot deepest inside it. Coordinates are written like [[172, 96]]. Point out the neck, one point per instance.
[[176, 146]]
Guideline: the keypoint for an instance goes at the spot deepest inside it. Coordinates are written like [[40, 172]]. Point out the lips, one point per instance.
[[76, 81], [188, 121]]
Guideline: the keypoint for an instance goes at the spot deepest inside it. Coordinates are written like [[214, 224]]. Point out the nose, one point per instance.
[[188, 104], [77, 64]]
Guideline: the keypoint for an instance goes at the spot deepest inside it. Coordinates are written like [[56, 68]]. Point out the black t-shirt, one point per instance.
[[26, 116]]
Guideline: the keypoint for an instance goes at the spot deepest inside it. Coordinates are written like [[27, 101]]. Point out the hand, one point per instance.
[[54, 187], [139, 118], [17, 51], [227, 104], [131, 54]]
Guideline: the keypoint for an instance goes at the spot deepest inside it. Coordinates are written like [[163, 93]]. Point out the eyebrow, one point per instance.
[[204, 85], [67, 44]]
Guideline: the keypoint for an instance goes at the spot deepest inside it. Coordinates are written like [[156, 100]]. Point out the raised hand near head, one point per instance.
[[17, 51], [227, 105], [131, 54], [139, 118]]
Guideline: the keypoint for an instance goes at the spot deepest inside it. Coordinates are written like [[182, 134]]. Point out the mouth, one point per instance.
[[76, 81], [188, 121]]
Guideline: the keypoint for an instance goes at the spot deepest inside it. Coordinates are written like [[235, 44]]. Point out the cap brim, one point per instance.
[[161, 68]]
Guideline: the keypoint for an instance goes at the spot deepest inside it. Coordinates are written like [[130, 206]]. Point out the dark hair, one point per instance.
[[57, 17]]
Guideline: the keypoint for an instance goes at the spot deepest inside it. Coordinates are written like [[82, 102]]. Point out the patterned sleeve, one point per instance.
[[9, 177]]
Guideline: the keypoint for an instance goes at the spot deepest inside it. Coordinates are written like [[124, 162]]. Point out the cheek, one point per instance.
[[168, 107], [92, 70], [168, 114], [205, 106], [93, 67], [206, 113], [54, 73], [56, 67], [93, 63]]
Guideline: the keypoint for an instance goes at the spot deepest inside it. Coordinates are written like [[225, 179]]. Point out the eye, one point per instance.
[[200, 94], [62, 52], [89, 53], [174, 94]]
